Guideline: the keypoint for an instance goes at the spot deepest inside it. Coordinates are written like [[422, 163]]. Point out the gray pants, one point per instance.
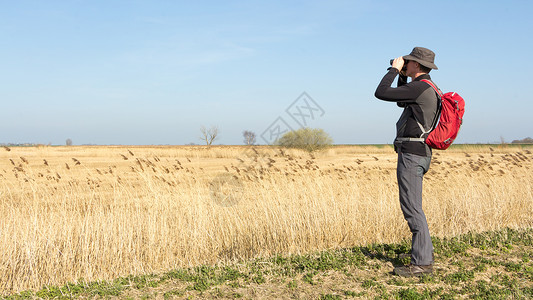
[[410, 172]]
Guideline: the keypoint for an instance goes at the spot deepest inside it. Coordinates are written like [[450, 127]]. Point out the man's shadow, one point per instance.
[[397, 254]]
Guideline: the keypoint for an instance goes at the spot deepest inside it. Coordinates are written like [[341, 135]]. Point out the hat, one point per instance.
[[422, 56]]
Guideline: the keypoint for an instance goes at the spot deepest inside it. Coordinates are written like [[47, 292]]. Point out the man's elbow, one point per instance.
[[379, 94]]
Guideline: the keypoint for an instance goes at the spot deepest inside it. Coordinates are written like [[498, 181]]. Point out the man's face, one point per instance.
[[411, 68]]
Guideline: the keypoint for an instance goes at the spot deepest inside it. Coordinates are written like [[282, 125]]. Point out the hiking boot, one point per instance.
[[408, 255], [413, 270]]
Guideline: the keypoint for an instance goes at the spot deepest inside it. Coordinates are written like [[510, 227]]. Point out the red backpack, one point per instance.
[[451, 118]]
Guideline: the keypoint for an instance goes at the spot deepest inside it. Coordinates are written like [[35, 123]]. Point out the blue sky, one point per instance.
[[154, 72]]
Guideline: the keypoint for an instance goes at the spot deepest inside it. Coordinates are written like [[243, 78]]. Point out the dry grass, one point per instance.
[[103, 212]]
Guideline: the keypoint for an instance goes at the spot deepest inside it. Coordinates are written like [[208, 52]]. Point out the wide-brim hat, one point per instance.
[[422, 56]]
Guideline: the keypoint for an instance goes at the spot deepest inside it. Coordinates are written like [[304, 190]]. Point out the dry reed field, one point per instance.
[[99, 212]]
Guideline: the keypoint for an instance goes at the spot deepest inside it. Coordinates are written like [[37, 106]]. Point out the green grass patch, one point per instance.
[[502, 259]]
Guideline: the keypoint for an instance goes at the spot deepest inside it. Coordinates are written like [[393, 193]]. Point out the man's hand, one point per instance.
[[397, 63]]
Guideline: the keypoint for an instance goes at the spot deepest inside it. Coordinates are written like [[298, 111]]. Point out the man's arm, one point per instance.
[[402, 80], [402, 93]]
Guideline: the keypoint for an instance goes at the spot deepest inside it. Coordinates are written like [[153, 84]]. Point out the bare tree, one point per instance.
[[502, 140], [68, 142], [249, 137], [209, 134]]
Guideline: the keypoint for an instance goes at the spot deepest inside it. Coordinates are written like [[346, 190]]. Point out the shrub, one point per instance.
[[309, 139]]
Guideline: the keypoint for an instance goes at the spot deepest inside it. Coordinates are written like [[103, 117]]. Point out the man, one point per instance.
[[420, 104]]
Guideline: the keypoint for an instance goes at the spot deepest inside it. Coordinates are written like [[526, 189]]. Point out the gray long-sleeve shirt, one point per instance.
[[420, 103]]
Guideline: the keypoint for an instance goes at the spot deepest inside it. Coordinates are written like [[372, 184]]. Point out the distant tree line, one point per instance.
[[19, 144], [527, 140]]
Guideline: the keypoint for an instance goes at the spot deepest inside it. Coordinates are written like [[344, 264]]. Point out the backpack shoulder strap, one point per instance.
[[439, 103], [433, 86]]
